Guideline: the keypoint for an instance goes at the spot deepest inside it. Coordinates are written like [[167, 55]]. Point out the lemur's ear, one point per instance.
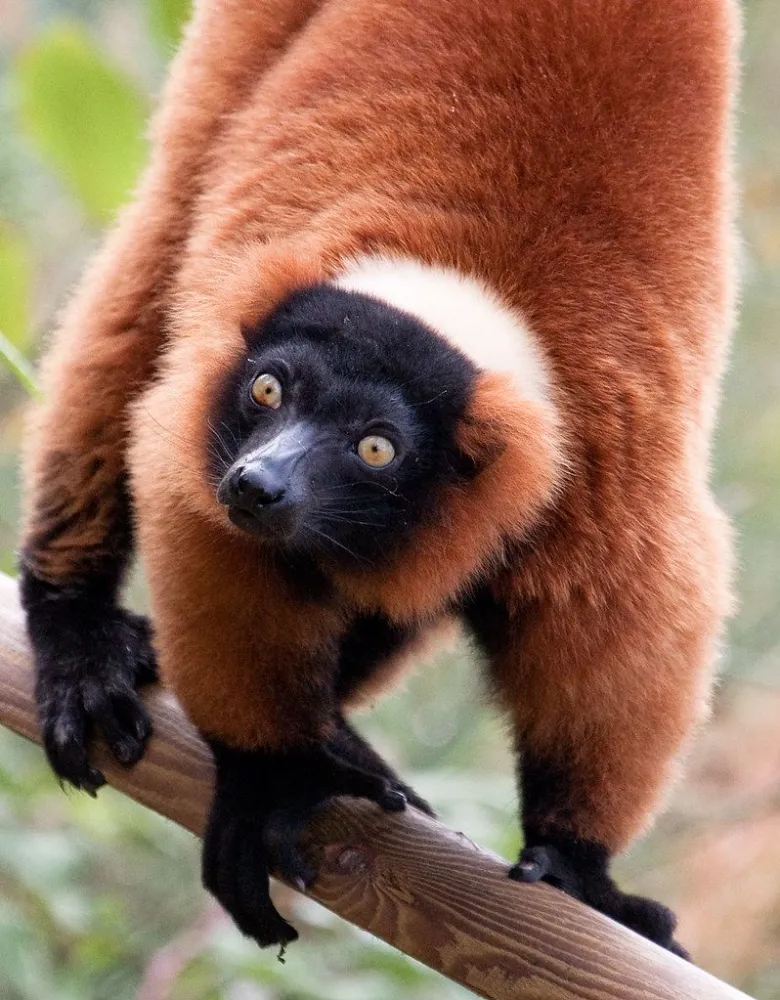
[[512, 441], [488, 424], [266, 276], [250, 332], [478, 446]]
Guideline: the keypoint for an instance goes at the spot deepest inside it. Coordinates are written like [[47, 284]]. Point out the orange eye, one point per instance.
[[267, 391], [376, 451]]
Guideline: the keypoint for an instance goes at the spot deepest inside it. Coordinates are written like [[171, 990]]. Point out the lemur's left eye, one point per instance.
[[267, 391], [376, 451]]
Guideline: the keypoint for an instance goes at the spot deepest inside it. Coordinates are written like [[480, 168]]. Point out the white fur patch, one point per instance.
[[462, 310]]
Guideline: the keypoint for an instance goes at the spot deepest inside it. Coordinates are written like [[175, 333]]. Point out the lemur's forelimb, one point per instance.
[[276, 668], [78, 539]]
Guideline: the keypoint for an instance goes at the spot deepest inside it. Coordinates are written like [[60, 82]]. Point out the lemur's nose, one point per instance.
[[265, 478], [258, 485]]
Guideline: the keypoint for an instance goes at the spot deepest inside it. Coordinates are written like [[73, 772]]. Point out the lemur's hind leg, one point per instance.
[[601, 704], [582, 871], [77, 538], [577, 866]]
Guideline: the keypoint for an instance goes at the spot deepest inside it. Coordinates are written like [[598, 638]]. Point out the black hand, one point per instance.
[[90, 657], [262, 802]]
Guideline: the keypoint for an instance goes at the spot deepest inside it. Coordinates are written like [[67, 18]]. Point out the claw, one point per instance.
[[281, 840], [536, 863], [532, 866], [677, 949], [413, 799], [393, 801], [127, 751]]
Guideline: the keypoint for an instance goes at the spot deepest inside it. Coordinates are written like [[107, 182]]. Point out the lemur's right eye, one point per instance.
[[267, 391], [376, 451]]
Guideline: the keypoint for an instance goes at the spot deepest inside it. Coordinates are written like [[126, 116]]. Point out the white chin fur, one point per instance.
[[462, 310]]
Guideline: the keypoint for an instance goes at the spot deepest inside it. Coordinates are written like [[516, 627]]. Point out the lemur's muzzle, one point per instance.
[[259, 489]]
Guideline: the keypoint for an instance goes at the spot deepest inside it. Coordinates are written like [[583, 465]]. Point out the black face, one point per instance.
[[332, 438]]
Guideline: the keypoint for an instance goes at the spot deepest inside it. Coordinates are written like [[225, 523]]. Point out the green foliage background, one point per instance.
[[100, 900]]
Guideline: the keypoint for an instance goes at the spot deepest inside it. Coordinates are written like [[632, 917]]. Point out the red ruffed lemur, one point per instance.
[[419, 313]]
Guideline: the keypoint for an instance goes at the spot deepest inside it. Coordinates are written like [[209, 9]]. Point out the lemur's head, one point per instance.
[[337, 432], [394, 423]]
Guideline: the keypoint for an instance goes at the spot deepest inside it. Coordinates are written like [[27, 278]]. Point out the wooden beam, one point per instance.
[[409, 880]]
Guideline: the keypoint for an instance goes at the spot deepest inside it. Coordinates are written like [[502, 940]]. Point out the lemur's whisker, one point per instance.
[[349, 520], [222, 443], [334, 541], [427, 402], [167, 432], [368, 486], [326, 508]]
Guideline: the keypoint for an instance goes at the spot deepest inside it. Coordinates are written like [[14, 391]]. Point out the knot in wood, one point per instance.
[[352, 859]]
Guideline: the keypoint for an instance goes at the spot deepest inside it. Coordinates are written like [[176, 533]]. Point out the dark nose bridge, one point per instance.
[[263, 476]]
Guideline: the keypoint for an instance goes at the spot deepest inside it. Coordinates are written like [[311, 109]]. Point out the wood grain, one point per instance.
[[428, 891]]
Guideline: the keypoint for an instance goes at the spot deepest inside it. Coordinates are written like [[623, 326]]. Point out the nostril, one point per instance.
[[256, 485], [240, 479], [267, 495]]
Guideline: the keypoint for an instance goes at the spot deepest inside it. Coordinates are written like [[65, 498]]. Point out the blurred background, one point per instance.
[[100, 900]]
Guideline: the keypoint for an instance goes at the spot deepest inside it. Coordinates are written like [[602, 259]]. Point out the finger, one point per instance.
[[64, 732], [70, 763], [533, 865], [101, 707], [414, 800], [281, 841], [344, 779], [647, 917], [132, 716], [219, 867], [237, 876], [219, 845], [677, 949], [392, 800], [257, 915], [143, 655]]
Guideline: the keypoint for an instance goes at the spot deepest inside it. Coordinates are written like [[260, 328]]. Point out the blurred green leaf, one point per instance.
[[167, 19], [84, 116], [13, 359], [15, 287]]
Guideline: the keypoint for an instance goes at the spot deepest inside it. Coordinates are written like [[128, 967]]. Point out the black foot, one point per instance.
[[90, 657], [262, 802], [581, 870]]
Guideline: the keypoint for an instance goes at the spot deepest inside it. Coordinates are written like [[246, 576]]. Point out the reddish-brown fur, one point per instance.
[[573, 154]]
